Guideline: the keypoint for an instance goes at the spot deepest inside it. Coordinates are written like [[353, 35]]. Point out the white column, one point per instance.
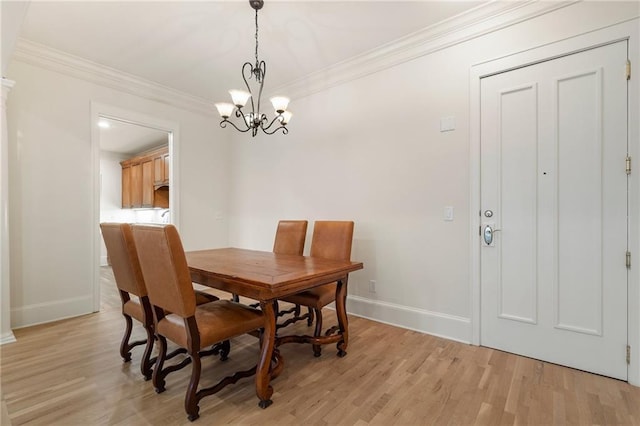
[[6, 335]]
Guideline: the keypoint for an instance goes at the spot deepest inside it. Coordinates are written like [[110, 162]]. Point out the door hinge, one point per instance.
[[628, 354], [627, 166], [627, 69], [628, 260]]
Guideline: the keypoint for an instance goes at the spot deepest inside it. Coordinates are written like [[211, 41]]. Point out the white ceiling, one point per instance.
[[198, 47], [128, 138]]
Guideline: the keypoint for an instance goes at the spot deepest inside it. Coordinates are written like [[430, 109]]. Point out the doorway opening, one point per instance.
[[134, 165]]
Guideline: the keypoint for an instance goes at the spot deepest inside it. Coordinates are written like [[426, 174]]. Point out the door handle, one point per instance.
[[487, 234]]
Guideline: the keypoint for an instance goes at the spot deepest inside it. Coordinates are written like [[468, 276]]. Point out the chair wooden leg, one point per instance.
[[223, 349], [158, 373], [296, 316], [310, 317], [146, 362], [191, 398], [125, 349], [317, 350]]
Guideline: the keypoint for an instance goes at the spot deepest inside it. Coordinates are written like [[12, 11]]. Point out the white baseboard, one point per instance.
[[7, 337], [40, 313], [437, 324], [103, 261]]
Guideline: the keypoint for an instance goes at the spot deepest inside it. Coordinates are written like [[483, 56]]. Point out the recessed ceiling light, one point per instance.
[[104, 124]]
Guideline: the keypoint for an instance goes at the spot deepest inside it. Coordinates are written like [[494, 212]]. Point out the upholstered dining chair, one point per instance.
[[126, 270], [330, 240], [178, 318], [289, 239]]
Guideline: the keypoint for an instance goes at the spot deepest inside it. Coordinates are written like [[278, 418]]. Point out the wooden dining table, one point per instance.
[[266, 277]]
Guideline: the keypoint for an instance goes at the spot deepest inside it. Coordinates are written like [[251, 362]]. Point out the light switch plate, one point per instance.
[[448, 213], [447, 124]]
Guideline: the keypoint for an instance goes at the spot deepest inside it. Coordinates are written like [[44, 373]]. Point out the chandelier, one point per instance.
[[254, 119]]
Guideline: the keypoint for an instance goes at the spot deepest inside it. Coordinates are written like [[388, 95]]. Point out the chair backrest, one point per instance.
[[290, 237], [164, 267], [332, 240], [124, 259]]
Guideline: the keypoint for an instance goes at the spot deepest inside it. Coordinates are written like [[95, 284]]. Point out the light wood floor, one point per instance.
[[70, 373]]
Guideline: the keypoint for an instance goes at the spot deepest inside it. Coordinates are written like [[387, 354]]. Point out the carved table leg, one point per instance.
[[263, 375], [341, 312]]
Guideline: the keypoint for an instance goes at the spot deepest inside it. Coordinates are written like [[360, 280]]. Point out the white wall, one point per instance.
[[52, 191], [371, 151]]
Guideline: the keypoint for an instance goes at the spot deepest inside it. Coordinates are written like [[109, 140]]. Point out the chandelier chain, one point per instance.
[[257, 62]]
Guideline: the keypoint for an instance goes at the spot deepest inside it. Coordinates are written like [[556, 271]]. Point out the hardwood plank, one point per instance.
[[70, 373]]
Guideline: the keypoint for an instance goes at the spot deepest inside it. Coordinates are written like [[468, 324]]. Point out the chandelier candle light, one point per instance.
[[255, 119]]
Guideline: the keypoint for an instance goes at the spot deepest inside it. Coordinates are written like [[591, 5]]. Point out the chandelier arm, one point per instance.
[[283, 128], [271, 123], [224, 122], [239, 114]]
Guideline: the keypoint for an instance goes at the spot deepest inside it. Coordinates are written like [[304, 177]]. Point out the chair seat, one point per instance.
[[217, 321], [317, 297]]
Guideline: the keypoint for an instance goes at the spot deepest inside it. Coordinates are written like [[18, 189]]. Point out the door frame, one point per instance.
[[628, 31], [99, 110]]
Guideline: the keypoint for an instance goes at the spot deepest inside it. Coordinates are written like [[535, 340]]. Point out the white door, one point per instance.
[[554, 210]]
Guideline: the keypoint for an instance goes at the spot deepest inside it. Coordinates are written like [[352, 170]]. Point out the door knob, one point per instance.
[[487, 235]]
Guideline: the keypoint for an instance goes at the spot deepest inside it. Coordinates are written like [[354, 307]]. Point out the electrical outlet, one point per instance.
[[372, 286]]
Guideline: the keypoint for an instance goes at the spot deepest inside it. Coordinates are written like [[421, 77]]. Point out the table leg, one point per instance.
[[263, 375], [341, 312]]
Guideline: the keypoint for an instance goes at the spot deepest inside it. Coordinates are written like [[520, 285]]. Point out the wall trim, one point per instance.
[[479, 21], [5, 249], [7, 338], [55, 60], [434, 323], [39, 313]]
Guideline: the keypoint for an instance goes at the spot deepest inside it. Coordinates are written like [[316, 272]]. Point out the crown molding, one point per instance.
[[484, 19], [481, 20], [55, 60]]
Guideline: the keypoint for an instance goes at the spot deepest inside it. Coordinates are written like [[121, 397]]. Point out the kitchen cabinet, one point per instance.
[[161, 168], [126, 185], [146, 167], [145, 180]]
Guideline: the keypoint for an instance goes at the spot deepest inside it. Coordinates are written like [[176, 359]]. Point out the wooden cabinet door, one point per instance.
[[136, 185], [126, 187], [166, 162], [158, 169], [147, 183]]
